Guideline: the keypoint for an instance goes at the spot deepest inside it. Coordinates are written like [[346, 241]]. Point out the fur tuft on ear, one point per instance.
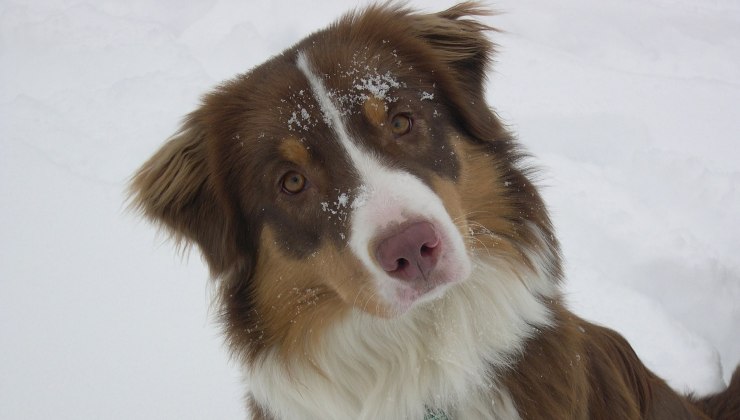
[[461, 44], [177, 189]]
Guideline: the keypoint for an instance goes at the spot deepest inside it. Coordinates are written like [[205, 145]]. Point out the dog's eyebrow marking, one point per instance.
[[332, 116], [292, 149], [375, 110]]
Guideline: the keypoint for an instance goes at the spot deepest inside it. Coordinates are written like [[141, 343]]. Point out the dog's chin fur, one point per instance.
[[443, 354], [323, 322]]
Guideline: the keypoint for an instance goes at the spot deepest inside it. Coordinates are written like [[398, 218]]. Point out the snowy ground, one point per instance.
[[630, 106]]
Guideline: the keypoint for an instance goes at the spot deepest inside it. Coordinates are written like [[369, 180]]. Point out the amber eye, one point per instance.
[[401, 124], [293, 182]]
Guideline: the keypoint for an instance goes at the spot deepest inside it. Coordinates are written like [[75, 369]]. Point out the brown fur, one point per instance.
[[724, 405], [309, 304], [257, 412], [578, 370], [283, 271]]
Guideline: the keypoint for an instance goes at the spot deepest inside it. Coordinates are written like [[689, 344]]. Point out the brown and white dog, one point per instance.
[[379, 247]]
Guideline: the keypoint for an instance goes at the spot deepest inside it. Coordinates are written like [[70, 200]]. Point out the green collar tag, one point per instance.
[[433, 414]]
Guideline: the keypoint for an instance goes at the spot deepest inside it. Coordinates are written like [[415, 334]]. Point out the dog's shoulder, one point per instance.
[[582, 370]]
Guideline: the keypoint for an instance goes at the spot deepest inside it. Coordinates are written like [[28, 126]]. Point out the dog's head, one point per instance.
[[359, 170]]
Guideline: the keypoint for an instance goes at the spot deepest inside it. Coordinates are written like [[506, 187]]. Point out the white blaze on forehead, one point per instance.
[[366, 164], [332, 116]]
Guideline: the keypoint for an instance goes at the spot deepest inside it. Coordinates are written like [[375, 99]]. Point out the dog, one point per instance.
[[379, 247]]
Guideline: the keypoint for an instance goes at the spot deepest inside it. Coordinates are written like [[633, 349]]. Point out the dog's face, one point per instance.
[[359, 170]]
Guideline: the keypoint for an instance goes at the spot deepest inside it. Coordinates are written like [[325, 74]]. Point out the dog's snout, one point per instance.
[[410, 254]]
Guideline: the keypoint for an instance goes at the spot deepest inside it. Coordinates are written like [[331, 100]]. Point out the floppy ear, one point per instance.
[[460, 44], [176, 188]]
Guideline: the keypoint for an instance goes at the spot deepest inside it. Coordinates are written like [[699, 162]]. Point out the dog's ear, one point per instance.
[[461, 45], [177, 189]]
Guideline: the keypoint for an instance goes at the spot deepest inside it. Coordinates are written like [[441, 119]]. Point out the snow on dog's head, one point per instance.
[[360, 170]]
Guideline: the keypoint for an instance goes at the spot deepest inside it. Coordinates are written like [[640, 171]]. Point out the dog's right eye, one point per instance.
[[293, 182], [401, 124]]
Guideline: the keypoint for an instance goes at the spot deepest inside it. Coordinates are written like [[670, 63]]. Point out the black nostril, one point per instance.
[[426, 251], [402, 263]]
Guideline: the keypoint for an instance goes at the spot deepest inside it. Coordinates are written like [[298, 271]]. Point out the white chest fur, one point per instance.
[[443, 354]]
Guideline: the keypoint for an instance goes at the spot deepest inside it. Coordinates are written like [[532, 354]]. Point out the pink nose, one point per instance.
[[410, 254]]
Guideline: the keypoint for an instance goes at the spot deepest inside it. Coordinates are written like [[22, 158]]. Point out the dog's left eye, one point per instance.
[[401, 124], [293, 182]]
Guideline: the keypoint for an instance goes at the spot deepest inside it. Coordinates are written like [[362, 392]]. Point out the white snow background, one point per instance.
[[631, 107]]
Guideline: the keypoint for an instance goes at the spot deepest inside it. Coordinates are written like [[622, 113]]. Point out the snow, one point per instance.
[[630, 107], [342, 200], [377, 85]]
